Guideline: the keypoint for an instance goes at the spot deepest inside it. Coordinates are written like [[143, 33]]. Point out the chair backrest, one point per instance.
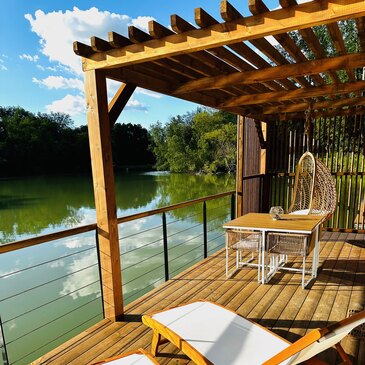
[[314, 188], [317, 341], [325, 195], [304, 184]]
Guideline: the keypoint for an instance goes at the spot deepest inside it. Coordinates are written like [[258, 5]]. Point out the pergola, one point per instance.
[[220, 64]]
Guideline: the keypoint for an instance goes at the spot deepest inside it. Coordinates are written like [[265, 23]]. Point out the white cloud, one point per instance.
[[152, 94], [57, 31], [29, 57], [2, 66], [142, 22], [136, 105], [48, 68], [90, 275], [60, 82], [70, 104]]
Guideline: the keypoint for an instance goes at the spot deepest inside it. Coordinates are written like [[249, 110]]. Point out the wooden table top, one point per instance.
[[264, 222]]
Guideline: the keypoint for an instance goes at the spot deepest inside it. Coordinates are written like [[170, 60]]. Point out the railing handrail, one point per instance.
[[16, 245], [187, 203]]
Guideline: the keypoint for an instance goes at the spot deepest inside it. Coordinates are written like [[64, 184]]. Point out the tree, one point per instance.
[[202, 141]]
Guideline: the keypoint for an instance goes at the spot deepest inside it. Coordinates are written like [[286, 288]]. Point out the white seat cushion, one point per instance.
[[220, 335], [138, 359], [306, 212]]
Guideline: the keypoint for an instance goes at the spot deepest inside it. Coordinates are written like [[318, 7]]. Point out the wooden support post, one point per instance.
[[104, 191], [239, 168]]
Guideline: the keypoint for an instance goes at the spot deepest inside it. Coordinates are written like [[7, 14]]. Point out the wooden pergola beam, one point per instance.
[[273, 73], [278, 96], [278, 21], [119, 101], [300, 116], [301, 107]]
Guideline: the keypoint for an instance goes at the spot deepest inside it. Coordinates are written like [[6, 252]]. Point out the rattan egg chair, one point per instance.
[[314, 193]]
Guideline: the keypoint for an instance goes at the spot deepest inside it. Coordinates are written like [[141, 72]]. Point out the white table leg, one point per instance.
[[263, 258], [315, 253]]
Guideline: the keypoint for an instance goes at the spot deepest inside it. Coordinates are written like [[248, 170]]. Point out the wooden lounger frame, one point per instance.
[[162, 334]]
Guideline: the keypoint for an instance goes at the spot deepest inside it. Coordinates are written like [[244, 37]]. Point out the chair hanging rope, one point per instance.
[[308, 122]]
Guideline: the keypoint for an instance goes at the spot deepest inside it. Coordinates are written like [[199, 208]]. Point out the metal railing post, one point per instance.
[[99, 268], [165, 248], [3, 345], [233, 206], [205, 233]]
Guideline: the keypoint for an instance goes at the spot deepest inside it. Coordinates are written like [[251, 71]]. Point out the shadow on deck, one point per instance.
[[282, 305]]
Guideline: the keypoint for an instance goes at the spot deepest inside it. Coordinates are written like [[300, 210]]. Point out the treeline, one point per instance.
[[49, 144], [201, 141]]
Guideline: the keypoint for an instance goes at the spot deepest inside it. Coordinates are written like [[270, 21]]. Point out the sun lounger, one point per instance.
[[211, 334]]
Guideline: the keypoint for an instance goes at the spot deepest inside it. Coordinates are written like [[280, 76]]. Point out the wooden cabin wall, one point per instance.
[[338, 141], [251, 166]]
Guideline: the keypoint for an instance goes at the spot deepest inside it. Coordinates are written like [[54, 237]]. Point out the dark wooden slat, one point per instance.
[[82, 49], [157, 30], [118, 41], [137, 35], [260, 134], [360, 24], [99, 45]]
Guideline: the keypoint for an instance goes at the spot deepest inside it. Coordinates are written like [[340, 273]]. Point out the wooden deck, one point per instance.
[[282, 305]]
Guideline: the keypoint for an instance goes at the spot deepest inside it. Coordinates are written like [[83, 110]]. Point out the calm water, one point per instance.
[[51, 292]]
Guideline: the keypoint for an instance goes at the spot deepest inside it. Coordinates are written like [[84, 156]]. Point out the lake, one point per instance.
[[51, 292]]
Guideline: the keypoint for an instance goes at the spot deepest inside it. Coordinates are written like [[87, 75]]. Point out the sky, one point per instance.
[[40, 72]]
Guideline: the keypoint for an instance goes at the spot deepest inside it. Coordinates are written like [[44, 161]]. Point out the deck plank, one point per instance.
[[282, 305]]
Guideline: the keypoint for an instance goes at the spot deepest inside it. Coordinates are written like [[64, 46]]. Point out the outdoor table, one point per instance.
[[289, 223]]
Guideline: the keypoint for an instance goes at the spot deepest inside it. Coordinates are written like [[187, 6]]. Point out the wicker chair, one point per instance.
[[314, 188], [242, 242], [314, 193]]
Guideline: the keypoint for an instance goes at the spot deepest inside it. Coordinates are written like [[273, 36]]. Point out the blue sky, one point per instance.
[[38, 70]]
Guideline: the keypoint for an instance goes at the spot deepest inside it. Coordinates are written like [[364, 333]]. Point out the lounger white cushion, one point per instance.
[[220, 335], [138, 359]]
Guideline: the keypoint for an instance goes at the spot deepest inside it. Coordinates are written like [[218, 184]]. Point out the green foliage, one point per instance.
[[130, 144], [48, 144], [202, 141]]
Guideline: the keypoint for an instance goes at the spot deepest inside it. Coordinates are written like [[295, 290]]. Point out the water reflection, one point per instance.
[[39, 205]]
